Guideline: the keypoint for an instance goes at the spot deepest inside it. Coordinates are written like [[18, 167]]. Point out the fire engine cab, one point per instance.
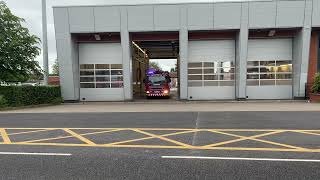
[[157, 83]]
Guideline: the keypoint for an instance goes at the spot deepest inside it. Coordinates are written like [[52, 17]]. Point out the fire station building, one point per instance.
[[224, 50]]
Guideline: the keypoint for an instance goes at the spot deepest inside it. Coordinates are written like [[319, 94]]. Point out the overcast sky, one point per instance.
[[30, 10]]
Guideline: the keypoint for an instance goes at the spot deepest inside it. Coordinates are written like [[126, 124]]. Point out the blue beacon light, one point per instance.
[[150, 71]]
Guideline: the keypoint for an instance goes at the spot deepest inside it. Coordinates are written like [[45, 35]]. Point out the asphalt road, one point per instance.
[[262, 120], [161, 163]]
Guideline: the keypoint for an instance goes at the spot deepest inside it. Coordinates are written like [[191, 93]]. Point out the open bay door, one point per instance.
[[211, 71], [269, 69], [101, 72]]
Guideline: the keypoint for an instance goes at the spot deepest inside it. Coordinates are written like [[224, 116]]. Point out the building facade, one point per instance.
[[226, 50]]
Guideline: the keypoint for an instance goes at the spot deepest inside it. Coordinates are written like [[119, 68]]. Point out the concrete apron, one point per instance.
[[174, 106]]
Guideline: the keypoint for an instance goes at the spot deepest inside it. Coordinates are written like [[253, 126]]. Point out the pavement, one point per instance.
[[157, 145], [164, 105]]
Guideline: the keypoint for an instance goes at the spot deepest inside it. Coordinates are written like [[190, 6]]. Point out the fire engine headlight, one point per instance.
[[148, 92], [165, 91]]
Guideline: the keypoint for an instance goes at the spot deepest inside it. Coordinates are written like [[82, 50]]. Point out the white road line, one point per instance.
[[34, 154], [240, 159]]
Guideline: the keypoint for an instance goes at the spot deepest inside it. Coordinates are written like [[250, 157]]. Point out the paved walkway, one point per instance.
[[173, 106]]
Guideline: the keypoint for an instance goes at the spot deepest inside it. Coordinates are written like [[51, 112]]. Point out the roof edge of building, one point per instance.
[[165, 3]]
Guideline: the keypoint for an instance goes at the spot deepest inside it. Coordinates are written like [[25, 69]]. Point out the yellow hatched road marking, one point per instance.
[[28, 132], [271, 142], [147, 138], [173, 129], [162, 138], [81, 138], [65, 137], [5, 136], [310, 133], [173, 147], [279, 144], [242, 138], [178, 145]]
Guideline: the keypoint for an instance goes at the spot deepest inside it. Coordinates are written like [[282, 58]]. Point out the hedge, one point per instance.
[[15, 96]]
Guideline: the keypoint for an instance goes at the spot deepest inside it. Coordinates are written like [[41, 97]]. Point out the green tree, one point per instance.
[[154, 65], [316, 84], [174, 69], [18, 48], [55, 68]]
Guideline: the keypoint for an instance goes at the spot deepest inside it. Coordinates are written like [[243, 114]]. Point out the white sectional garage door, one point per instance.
[[269, 69], [211, 70], [101, 72]]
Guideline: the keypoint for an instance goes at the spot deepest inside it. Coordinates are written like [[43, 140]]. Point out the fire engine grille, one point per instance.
[[156, 95], [155, 88]]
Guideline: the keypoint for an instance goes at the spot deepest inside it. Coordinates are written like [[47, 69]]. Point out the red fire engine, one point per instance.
[[157, 83]]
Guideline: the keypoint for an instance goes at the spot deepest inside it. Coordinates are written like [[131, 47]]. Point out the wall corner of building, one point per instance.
[[242, 52], [65, 54], [126, 55], [183, 54], [302, 53]]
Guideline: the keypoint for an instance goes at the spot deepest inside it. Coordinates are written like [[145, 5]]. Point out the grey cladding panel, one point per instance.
[[140, 18], [227, 15], [61, 22], [290, 13], [316, 13], [262, 14], [65, 68], [107, 19], [167, 17], [81, 19], [200, 16]]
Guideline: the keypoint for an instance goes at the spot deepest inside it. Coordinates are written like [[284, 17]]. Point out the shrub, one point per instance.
[[57, 100], [30, 95], [3, 102], [316, 84]]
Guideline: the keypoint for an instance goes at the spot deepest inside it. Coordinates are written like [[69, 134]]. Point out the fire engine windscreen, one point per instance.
[[157, 79]]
